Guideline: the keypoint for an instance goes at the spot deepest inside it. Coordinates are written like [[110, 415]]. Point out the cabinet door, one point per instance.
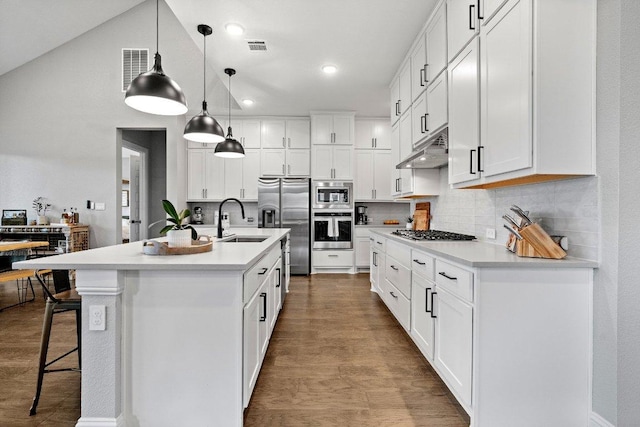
[[406, 176], [298, 134], [214, 180], [362, 252], [422, 323], [273, 134], [298, 162], [506, 80], [251, 133], [464, 133], [373, 267], [272, 162], [343, 162], [383, 167], [264, 330], [195, 174], [405, 87], [382, 134], [436, 44], [490, 7], [274, 294], [343, 129], [453, 342], [251, 347], [250, 174], [418, 64], [437, 104], [395, 159], [233, 169], [364, 180], [364, 134], [322, 162], [462, 25], [394, 100], [419, 119], [321, 129]]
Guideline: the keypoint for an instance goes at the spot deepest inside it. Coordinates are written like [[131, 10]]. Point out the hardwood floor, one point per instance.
[[337, 357]]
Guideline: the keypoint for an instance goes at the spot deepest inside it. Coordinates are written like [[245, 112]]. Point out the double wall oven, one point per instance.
[[332, 215]]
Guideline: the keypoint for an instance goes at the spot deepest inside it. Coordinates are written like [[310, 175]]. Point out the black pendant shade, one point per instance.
[[230, 147], [203, 127], [154, 92]]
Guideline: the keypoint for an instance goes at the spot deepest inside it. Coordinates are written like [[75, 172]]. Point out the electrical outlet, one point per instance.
[[97, 321], [491, 233], [100, 206]]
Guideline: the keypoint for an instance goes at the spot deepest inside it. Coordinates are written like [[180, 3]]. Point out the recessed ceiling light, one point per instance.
[[234, 29], [329, 69], [423, 159], [247, 101]]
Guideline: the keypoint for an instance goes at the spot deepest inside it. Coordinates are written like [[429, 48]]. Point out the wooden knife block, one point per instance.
[[536, 243]]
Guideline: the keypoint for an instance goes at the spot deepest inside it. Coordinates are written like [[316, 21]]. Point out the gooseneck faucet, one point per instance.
[[220, 213]]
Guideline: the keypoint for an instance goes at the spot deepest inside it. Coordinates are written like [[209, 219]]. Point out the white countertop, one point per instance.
[[481, 254], [129, 256]]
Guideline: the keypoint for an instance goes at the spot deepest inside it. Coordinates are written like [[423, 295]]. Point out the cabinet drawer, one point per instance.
[[400, 252], [455, 279], [399, 305], [257, 274], [379, 243], [422, 264], [332, 259], [398, 275], [362, 231]]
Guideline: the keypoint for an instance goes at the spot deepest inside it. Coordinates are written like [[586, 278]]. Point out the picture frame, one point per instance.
[[125, 198]]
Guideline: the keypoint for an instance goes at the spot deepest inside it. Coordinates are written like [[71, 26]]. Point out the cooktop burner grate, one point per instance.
[[432, 235]]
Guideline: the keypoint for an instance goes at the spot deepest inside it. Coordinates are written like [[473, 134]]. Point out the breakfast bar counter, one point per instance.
[[169, 348]]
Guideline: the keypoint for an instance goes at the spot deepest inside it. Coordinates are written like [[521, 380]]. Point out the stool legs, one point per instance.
[[44, 347]]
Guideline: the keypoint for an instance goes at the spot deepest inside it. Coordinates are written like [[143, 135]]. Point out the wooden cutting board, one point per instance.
[[422, 216]]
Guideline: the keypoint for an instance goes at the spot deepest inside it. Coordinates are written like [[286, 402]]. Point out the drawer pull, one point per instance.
[[333, 256], [279, 277], [379, 242], [264, 306], [264, 270], [393, 295], [443, 274], [433, 314], [426, 301], [394, 267], [417, 261]]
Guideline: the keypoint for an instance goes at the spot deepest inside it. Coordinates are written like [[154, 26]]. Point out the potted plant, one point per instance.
[[409, 225], [41, 210], [179, 234]]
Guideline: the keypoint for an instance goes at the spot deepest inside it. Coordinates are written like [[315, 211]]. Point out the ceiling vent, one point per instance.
[[134, 62], [257, 44]]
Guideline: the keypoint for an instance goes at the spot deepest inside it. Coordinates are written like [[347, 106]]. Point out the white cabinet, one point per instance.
[[374, 134], [298, 162], [275, 294], [362, 252], [395, 159], [241, 176], [489, 8], [373, 175], [245, 131], [422, 319], [332, 259], [332, 162], [429, 111], [377, 262], [286, 133], [419, 64], [394, 100], [453, 342], [273, 134], [406, 181], [400, 96], [285, 162], [252, 322], [334, 129], [464, 117], [462, 25], [205, 175], [285, 147], [436, 36]]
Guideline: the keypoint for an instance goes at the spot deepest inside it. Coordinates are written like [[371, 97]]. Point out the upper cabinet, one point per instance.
[[429, 55], [373, 133], [245, 131], [429, 111], [462, 24], [332, 128], [286, 133], [400, 97]]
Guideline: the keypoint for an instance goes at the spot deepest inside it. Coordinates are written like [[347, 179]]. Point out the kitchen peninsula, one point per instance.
[[182, 337]]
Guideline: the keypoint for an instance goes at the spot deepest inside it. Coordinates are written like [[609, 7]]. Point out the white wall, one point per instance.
[[59, 114]]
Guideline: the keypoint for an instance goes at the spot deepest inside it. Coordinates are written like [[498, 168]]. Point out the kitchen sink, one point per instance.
[[244, 239]]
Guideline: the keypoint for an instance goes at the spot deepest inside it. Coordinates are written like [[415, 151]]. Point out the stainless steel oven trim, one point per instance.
[[332, 244], [332, 205]]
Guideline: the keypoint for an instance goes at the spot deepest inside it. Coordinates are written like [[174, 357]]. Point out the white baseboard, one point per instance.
[[597, 421], [101, 422]]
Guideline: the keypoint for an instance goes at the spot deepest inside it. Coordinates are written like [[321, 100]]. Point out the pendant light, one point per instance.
[[230, 148], [203, 127], [154, 92]]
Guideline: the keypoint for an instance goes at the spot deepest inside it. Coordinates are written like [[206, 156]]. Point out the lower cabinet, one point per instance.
[[422, 318], [341, 258]]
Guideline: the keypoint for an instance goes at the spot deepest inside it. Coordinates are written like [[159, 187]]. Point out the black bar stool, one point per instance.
[[65, 299]]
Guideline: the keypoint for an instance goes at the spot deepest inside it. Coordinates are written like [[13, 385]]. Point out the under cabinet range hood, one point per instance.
[[431, 154]]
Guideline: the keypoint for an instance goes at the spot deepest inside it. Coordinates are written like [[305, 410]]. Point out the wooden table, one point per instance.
[[14, 246], [11, 275]]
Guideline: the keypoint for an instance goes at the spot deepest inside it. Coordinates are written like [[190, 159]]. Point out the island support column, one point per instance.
[[101, 349]]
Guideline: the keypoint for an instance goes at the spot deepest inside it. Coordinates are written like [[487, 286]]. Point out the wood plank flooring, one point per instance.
[[337, 357]]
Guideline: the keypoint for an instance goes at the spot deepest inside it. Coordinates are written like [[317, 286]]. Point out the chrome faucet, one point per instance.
[[220, 213]]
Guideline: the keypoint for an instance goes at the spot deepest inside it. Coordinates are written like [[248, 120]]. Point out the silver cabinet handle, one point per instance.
[[333, 256], [283, 169], [375, 193], [373, 143], [372, 196], [289, 169], [283, 142], [289, 139]]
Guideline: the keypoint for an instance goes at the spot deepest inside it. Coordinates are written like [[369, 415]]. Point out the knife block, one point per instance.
[[536, 243]]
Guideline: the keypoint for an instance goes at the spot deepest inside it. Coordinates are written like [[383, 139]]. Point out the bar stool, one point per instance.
[[65, 299]]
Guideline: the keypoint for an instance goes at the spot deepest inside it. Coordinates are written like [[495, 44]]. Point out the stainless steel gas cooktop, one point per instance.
[[432, 235]]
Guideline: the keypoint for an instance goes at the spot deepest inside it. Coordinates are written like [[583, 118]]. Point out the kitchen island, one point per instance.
[[510, 336], [183, 336]]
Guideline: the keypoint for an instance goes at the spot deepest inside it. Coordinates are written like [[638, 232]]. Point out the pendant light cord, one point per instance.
[[157, 27], [204, 69], [229, 100]]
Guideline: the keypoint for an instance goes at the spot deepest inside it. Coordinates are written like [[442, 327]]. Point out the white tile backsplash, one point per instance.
[[568, 208]]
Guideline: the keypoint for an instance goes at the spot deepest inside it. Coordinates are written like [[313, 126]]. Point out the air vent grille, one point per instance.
[[257, 44], [134, 62]]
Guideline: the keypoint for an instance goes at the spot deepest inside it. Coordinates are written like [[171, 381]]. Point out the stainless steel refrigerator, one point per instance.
[[286, 203]]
